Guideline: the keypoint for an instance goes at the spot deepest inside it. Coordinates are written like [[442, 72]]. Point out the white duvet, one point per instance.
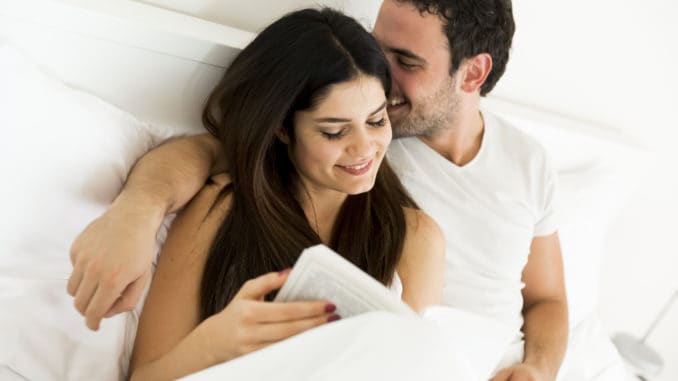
[[446, 344]]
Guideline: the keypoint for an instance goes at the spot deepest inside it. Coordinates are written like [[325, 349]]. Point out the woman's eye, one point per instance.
[[333, 135], [379, 123]]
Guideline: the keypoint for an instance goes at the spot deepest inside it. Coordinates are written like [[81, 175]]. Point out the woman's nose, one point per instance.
[[360, 146]]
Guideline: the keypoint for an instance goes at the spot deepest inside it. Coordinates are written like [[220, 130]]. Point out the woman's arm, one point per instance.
[[422, 264], [167, 327], [171, 341]]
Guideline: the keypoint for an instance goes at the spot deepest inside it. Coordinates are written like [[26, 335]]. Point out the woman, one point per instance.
[[301, 113]]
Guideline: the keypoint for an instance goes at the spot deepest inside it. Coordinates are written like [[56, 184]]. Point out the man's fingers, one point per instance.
[[86, 290], [74, 281], [281, 312], [102, 300], [257, 288], [503, 375], [130, 296], [119, 306], [281, 331]]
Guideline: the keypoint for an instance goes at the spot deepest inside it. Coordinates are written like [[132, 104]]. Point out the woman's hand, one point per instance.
[[249, 323], [112, 260]]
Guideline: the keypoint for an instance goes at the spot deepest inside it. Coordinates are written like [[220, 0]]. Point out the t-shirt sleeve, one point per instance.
[[547, 203]]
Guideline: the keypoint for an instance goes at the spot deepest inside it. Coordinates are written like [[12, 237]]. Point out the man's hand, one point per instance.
[[112, 261], [521, 372], [112, 257]]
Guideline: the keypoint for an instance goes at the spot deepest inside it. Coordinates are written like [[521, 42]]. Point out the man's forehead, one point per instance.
[[401, 27]]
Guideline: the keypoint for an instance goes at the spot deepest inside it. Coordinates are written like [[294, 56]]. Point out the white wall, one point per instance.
[[250, 15], [605, 61], [612, 62]]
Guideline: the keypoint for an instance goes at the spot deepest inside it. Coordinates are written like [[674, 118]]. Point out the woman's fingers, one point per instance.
[[278, 321], [264, 323], [281, 312], [248, 323], [257, 288], [273, 332]]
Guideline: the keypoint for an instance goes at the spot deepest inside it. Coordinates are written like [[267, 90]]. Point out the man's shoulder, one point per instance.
[[403, 144], [407, 154], [513, 139]]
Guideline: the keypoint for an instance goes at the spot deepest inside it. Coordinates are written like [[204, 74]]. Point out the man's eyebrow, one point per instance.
[[406, 53], [343, 120]]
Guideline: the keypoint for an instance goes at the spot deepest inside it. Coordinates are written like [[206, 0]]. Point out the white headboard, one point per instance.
[[157, 64]]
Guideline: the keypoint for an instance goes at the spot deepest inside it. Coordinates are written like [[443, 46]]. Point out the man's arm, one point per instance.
[[545, 314], [170, 175], [112, 257]]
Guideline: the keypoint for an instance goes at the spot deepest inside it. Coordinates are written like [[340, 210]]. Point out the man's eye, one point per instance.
[[379, 123], [406, 65]]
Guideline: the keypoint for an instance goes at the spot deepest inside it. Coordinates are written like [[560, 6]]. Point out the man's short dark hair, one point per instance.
[[473, 27]]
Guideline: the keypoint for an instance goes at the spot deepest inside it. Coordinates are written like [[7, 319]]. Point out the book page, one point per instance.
[[322, 274]]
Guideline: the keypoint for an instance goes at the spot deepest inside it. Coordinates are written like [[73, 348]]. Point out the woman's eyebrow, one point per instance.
[[344, 120], [383, 105], [331, 120]]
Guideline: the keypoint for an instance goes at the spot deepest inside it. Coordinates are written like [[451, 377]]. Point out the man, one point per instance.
[[488, 186]]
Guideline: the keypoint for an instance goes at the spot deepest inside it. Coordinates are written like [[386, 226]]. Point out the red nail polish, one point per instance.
[[330, 307], [332, 318], [283, 272]]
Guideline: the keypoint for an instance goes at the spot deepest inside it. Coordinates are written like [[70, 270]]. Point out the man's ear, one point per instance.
[[281, 133], [476, 70]]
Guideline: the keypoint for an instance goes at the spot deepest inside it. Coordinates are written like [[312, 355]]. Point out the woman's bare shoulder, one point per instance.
[[421, 265], [196, 225], [420, 224], [423, 236], [174, 296]]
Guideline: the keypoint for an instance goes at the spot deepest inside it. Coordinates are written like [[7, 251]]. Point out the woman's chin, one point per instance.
[[360, 188]]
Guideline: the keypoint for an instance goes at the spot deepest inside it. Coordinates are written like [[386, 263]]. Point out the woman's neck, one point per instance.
[[321, 210]]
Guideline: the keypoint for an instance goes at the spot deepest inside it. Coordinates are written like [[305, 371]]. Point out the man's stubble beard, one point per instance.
[[436, 115]]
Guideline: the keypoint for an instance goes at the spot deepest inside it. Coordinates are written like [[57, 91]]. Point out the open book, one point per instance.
[[320, 273]]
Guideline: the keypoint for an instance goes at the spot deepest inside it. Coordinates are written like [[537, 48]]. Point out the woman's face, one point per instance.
[[340, 144]]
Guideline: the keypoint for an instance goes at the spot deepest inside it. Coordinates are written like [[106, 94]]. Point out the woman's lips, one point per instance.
[[358, 169]]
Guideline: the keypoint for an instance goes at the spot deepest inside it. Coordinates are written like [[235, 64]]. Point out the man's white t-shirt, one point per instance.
[[489, 210]]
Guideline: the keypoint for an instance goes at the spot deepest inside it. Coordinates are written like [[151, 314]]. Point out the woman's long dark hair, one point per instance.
[[289, 67]]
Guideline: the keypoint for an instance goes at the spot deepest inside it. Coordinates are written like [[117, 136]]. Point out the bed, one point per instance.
[[88, 86]]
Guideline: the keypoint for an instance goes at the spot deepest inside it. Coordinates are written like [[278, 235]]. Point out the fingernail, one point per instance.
[[330, 307], [333, 317], [283, 272]]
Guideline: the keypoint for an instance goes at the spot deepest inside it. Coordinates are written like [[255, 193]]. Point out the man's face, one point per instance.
[[424, 96]]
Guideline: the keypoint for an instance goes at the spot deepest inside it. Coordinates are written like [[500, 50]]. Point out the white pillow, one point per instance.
[[64, 157]]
